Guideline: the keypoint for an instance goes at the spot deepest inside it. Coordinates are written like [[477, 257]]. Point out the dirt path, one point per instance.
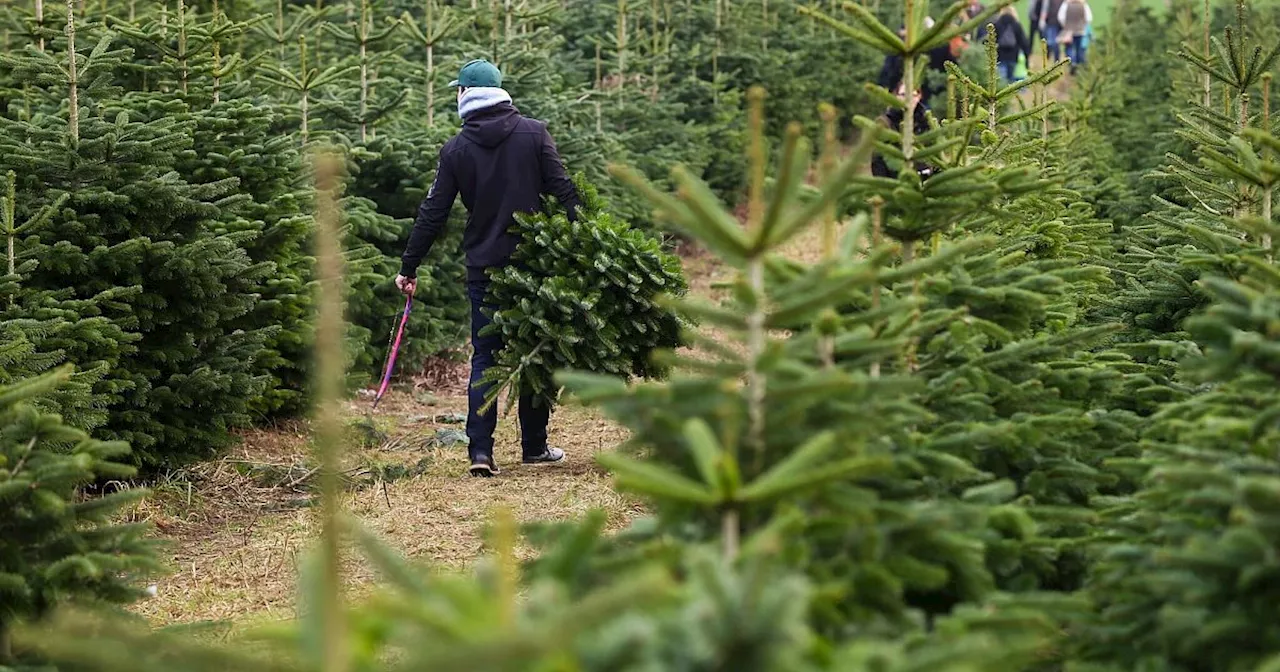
[[236, 527]]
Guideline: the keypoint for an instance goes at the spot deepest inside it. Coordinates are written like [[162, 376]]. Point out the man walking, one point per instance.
[[1075, 17], [1033, 23], [501, 163], [1050, 29]]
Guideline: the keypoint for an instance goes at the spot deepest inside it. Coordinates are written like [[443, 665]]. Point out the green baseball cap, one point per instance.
[[478, 73]]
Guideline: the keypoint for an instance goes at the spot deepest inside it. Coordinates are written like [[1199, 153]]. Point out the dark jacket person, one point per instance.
[[890, 76], [1011, 40], [500, 163]]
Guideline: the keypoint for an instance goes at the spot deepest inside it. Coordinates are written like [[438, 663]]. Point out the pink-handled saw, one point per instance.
[[393, 352]]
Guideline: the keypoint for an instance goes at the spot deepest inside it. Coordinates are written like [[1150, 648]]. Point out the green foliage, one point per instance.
[[129, 225], [239, 140], [1179, 578], [1016, 415], [188, 319], [1131, 107], [57, 545], [40, 328], [585, 295]]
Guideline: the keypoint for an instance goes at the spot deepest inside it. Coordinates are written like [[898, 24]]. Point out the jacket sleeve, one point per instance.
[[554, 179], [433, 214], [1024, 44], [1062, 14], [1088, 14]]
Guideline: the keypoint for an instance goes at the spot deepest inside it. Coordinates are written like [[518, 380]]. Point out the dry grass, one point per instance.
[[235, 541]]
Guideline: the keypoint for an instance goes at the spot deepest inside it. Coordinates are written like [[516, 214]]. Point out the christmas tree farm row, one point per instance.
[[160, 196], [1020, 412]]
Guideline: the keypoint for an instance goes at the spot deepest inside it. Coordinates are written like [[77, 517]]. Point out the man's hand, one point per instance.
[[407, 286]]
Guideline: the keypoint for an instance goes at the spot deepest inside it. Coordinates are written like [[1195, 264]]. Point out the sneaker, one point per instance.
[[484, 468], [548, 456]]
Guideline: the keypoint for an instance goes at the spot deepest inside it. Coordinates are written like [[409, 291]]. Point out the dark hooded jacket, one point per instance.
[[891, 73], [893, 119], [501, 163], [1007, 49]]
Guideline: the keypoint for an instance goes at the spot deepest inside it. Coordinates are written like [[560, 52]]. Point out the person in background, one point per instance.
[[1033, 23], [1075, 17], [971, 10], [891, 70], [1050, 28], [892, 118], [1011, 40], [891, 79], [501, 162]]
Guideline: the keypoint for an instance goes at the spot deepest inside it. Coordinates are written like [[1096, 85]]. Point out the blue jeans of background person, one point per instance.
[[1076, 52], [1006, 69], [480, 426], [1051, 33]]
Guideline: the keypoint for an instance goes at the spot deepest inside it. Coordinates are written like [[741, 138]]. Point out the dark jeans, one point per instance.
[[480, 426], [1051, 33], [1076, 52], [1006, 69]]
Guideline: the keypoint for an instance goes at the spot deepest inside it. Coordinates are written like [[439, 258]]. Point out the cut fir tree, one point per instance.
[[585, 295]]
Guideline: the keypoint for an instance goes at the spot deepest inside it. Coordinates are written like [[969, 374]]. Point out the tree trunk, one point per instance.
[[182, 43], [12, 257], [304, 103], [730, 534], [40, 23], [431, 85], [756, 333], [11, 229], [73, 94], [1267, 193], [363, 34], [877, 218], [599, 68], [329, 426], [657, 43], [1266, 219], [715, 54], [827, 167], [280, 31], [622, 43], [6, 646], [493, 34], [764, 31], [1207, 81], [364, 92], [431, 63], [217, 65]]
